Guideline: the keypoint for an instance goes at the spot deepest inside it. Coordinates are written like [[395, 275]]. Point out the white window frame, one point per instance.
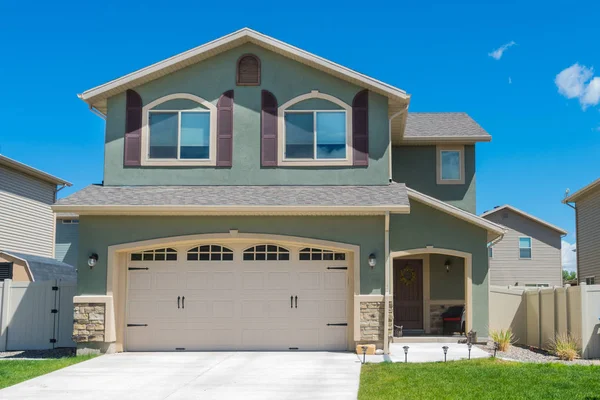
[[147, 109], [490, 252], [461, 151], [590, 278], [530, 247], [296, 162]]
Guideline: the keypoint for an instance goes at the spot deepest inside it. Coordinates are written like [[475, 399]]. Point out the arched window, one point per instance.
[[266, 252], [307, 254], [210, 252], [248, 70], [166, 254]]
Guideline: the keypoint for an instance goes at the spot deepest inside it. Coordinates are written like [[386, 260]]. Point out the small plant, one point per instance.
[[504, 338], [565, 346]]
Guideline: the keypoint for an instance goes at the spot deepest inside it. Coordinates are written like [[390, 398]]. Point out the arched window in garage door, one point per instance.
[[210, 252], [310, 254], [266, 252], [164, 254]]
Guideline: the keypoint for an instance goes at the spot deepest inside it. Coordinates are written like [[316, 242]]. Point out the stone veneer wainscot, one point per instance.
[[88, 322], [371, 322]]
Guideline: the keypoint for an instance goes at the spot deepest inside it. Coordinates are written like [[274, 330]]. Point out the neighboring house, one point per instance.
[[29, 268], [529, 254], [586, 203], [257, 196], [27, 223], [67, 238]]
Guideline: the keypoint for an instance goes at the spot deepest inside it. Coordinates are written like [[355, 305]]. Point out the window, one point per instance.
[[183, 135], [450, 165], [248, 70], [315, 135], [490, 252], [167, 254], [591, 280], [70, 221], [525, 247], [537, 285], [266, 252], [210, 253], [307, 254]]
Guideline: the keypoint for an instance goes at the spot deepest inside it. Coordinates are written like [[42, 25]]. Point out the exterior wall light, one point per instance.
[[447, 265], [92, 260], [372, 260]]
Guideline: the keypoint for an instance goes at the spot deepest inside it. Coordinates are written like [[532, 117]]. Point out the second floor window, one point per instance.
[[179, 135], [450, 165], [525, 247], [316, 135]]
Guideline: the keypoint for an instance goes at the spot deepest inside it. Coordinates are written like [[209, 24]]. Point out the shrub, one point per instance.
[[565, 346], [504, 338]]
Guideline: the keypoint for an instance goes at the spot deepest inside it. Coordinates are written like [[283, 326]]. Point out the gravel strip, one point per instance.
[[37, 354], [522, 353]]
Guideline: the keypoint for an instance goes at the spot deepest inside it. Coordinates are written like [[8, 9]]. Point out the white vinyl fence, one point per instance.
[[36, 315], [536, 316]]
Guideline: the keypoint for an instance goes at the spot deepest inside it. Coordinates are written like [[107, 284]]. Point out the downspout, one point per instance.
[[390, 140], [386, 297]]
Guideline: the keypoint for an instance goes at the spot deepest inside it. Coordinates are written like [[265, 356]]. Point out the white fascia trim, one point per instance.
[[491, 227], [526, 215], [578, 194], [19, 166], [258, 38], [228, 210]]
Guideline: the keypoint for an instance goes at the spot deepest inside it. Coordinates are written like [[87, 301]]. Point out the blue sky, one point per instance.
[[543, 142]]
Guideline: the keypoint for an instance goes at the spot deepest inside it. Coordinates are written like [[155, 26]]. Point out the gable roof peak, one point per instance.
[[524, 214]]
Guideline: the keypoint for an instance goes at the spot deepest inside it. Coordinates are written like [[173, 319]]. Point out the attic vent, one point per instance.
[[505, 215], [6, 271], [248, 70]]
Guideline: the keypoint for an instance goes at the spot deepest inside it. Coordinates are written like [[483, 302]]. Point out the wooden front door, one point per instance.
[[408, 294]]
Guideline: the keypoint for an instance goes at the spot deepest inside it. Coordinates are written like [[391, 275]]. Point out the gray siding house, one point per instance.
[[586, 203], [26, 218], [529, 254], [67, 238]]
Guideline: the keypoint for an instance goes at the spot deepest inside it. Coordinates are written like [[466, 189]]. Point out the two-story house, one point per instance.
[[27, 224], [586, 202], [257, 196], [529, 253]]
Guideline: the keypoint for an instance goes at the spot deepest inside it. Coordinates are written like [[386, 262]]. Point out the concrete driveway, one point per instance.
[[222, 375]]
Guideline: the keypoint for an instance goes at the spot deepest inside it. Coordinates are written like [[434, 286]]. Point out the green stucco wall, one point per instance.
[[416, 166], [425, 226], [97, 233], [446, 285], [282, 76]]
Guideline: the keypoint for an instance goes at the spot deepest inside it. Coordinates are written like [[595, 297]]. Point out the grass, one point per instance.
[[479, 379], [16, 371]]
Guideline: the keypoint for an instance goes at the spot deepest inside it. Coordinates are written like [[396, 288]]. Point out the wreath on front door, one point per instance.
[[407, 275]]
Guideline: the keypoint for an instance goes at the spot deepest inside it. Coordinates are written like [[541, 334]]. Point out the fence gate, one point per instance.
[[39, 315]]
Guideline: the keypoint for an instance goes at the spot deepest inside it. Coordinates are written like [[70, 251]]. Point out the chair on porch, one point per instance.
[[454, 320]]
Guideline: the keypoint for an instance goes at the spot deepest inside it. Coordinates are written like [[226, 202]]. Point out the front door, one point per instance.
[[408, 294]]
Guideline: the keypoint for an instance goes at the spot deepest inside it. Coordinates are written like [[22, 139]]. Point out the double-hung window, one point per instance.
[[315, 135], [450, 165], [525, 247], [179, 135]]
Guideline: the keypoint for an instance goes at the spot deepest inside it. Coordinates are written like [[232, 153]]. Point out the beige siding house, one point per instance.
[[529, 254], [587, 214], [27, 221]]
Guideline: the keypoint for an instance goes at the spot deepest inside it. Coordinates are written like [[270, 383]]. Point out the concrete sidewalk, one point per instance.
[[219, 375], [428, 352]]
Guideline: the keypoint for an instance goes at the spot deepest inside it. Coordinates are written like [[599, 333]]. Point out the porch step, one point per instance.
[[428, 339], [413, 332]]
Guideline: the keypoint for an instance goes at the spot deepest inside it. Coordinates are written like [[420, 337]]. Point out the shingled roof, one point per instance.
[[447, 126], [236, 199]]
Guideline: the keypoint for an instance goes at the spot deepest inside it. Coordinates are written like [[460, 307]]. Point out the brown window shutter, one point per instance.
[[132, 154], [360, 128], [225, 129], [268, 129]]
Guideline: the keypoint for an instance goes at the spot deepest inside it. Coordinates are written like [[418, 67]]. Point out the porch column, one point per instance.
[[386, 297]]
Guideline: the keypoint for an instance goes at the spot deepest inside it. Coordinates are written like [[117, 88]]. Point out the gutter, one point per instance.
[[97, 112]]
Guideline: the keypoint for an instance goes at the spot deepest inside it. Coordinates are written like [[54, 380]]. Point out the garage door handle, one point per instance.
[[178, 300], [296, 301], [183, 302], [291, 301]]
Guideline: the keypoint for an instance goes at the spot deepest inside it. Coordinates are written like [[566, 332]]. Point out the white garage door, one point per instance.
[[237, 297]]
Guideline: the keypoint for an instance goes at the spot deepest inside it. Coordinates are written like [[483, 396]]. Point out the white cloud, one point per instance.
[[509, 80], [578, 81], [569, 257], [497, 54]]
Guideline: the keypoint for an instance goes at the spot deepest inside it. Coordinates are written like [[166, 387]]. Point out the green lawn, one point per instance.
[[479, 379], [15, 371]]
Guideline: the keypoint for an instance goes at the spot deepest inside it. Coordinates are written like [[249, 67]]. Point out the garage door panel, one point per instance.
[[308, 281], [254, 309], [197, 280], [334, 337], [198, 308], [223, 280], [278, 280], [140, 281], [223, 309], [335, 281], [307, 339], [279, 308], [335, 309], [140, 310], [166, 280], [308, 308], [253, 280]]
